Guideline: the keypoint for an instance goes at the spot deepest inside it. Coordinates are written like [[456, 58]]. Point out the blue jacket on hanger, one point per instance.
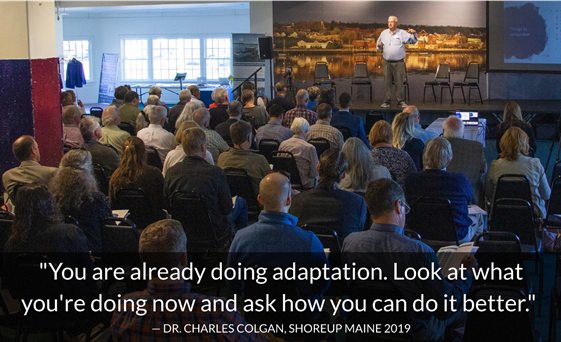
[[75, 74]]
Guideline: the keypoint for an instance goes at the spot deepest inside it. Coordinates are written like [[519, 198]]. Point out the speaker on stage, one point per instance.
[[265, 47]]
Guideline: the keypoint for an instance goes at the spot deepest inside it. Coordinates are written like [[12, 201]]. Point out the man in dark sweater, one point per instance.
[[175, 111], [280, 99], [235, 113]]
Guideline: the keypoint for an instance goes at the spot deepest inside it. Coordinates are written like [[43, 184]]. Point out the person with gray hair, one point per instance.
[[196, 94], [155, 135], [300, 111], [418, 131], [437, 181], [104, 156], [361, 170], [304, 153], [187, 113], [77, 159], [157, 91], [153, 100], [175, 111], [214, 142], [323, 128], [112, 135], [142, 118], [468, 157], [162, 245], [219, 114], [71, 135]]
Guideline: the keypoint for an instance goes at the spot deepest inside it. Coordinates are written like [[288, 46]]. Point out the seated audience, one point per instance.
[[75, 191], [513, 118], [157, 91], [219, 114], [418, 131], [323, 128], [386, 204], [134, 173], [214, 142], [514, 159], [155, 135], [274, 128], [142, 119], [402, 130], [177, 155], [313, 92], [79, 104], [187, 113], [328, 206], [361, 169], [71, 136], [175, 111], [26, 150], [112, 135], [397, 161], [241, 157], [255, 114], [327, 95], [436, 181], [274, 234], [280, 98], [129, 110], [344, 118], [194, 174], [235, 114], [300, 111], [195, 94], [104, 156], [66, 99], [153, 100], [215, 104], [119, 94], [468, 157], [304, 153], [162, 245]]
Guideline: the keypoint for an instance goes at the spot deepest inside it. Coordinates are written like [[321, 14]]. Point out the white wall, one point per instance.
[[42, 29], [13, 28]]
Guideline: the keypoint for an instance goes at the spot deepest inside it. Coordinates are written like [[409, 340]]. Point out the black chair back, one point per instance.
[[327, 236], [101, 178], [141, 209], [472, 73], [321, 71], [556, 173], [120, 243], [153, 158], [361, 71], [6, 222], [345, 131], [321, 145], [554, 206], [513, 186], [285, 161], [127, 127], [96, 111], [516, 216], [240, 185], [443, 72], [266, 148], [432, 218]]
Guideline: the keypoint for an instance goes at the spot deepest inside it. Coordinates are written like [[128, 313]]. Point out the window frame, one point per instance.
[[89, 39]]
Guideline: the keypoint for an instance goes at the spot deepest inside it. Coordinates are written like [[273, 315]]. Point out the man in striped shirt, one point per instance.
[[300, 111]]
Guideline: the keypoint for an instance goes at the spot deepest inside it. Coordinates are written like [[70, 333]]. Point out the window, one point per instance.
[[79, 49], [217, 58], [171, 56], [135, 59]]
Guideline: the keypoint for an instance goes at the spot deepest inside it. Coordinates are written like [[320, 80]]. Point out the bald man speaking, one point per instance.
[[392, 41]]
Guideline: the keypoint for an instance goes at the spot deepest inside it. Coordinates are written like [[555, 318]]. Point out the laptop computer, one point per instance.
[[201, 81], [469, 118], [224, 81]]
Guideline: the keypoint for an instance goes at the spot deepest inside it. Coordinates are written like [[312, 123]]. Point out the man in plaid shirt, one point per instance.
[[215, 144], [323, 128], [301, 110], [163, 245]]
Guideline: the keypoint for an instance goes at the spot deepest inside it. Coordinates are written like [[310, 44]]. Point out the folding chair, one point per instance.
[[288, 164], [266, 148], [321, 145], [141, 209], [96, 111], [322, 76], [361, 77], [345, 131], [127, 127], [471, 80], [240, 184], [153, 158], [101, 178], [442, 79]]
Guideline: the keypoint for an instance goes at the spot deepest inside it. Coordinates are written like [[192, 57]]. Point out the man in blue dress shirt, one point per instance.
[[393, 41]]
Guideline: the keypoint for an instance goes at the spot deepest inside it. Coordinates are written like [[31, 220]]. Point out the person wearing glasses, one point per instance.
[[435, 181], [392, 41], [385, 246]]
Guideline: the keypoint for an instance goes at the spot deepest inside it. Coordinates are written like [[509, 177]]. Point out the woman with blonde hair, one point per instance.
[[403, 126], [514, 159], [512, 117], [76, 194], [187, 113], [142, 120], [397, 161], [361, 169]]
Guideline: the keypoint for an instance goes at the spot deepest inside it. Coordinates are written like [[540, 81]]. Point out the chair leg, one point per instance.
[[480, 98], [433, 93], [451, 94], [441, 88], [463, 94], [424, 90]]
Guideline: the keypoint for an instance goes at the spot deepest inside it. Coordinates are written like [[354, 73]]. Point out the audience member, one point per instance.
[[436, 181], [328, 206], [195, 94], [344, 118], [323, 128], [397, 161], [134, 173], [383, 246], [215, 104], [513, 118], [26, 150], [175, 111], [155, 135], [300, 111], [514, 159], [361, 169], [104, 156], [79, 104], [418, 131], [280, 98], [157, 91], [71, 136], [129, 110], [66, 99], [274, 128], [75, 191], [304, 153], [241, 157], [153, 100], [327, 95], [187, 113], [162, 245], [468, 157], [112, 135], [177, 155], [276, 234], [402, 130], [214, 142], [235, 113], [142, 119], [194, 174], [219, 114], [256, 114], [119, 94], [313, 92]]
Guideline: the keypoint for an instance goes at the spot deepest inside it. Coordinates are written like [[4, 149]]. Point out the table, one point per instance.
[[476, 133], [205, 91]]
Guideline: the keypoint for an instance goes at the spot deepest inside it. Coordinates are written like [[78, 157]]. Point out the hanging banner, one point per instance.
[[108, 79], [246, 60]]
